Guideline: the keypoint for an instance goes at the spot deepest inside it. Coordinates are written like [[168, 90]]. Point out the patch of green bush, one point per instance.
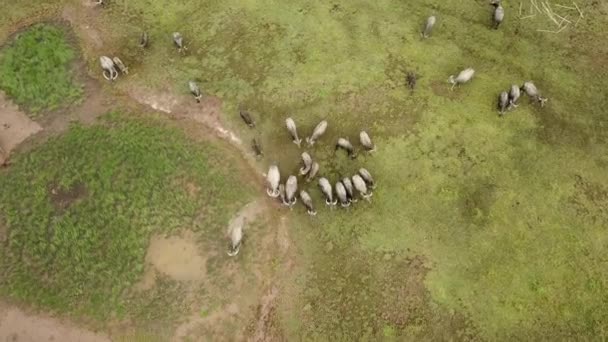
[[35, 69]]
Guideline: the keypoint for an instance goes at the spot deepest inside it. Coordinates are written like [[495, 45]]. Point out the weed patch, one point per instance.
[[35, 69]]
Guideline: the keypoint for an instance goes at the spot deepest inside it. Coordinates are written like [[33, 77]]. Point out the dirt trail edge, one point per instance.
[[17, 325]]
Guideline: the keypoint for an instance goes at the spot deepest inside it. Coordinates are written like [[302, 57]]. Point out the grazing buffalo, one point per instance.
[[291, 188], [236, 237], [307, 201], [327, 191], [367, 177], [347, 146], [317, 133], [498, 15], [143, 40], [195, 90], [530, 89], [273, 178], [428, 27], [179, 42], [314, 169], [463, 77], [360, 185], [503, 102], [257, 147], [291, 127], [247, 118], [342, 195], [366, 141], [120, 65], [350, 191], [514, 95]]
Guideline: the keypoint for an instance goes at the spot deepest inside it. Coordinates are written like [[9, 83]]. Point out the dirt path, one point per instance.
[[15, 126], [19, 326]]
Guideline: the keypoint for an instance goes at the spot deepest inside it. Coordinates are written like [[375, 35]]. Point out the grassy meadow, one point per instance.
[[81, 208], [481, 227]]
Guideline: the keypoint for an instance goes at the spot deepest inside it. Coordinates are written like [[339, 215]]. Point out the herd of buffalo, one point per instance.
[[346, 189]]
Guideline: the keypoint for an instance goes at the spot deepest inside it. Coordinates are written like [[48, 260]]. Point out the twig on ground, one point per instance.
[[578, 9]]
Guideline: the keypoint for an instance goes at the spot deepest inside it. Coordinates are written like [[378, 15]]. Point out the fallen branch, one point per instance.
[[528, 16], [562, 18], [578, 9], [549, 13]]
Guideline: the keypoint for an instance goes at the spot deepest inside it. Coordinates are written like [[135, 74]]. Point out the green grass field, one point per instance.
[[481, 227], [81, 208], [36, 72]]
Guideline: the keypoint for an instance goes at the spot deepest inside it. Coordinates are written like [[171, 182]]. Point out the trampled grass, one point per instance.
[[81, 208], [35, 69]]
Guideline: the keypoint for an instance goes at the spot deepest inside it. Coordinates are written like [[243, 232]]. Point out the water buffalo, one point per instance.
[[317, 133], [179, 42], [236, 237], [314, 169], [283, 194], [503, 102], [347, 146], [360, 185], [428, 27], [342, 195], [120, 65], [367, 177], [143, 40], [307, 201], [291, 127], [514, 95], [463, 77], [273, 177], [109, 69], [530, 89], [498, 15], [366, 141], [257, 147], [291, 188], [307, 161], [350, 191], [195, 90], [327, 191], [247, 118]]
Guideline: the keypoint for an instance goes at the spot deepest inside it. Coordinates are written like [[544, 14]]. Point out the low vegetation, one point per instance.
[[35, 68], [81, 209], [481, 227]]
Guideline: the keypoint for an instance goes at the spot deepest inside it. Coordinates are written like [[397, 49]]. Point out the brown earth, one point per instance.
[[20, 326]]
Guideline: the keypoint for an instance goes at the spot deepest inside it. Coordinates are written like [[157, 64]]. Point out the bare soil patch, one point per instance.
[[16, 325], [15, 126], [178, 257], [64, 198]]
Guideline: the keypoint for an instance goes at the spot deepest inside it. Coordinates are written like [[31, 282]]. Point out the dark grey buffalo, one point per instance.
[[367, 177], [247, 118], [178, 40], [366, 141], [143, 40]]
